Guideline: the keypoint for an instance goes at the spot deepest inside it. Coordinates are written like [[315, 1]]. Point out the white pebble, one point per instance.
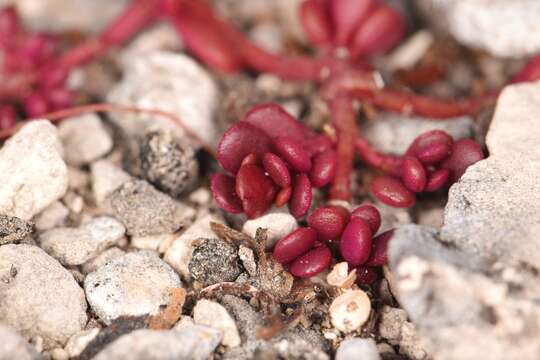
[[106, 177], [32, 172], [75, 246], [278, 225], [350, 310], [358, 348], [212, 314], [132, 285], [78, 342]]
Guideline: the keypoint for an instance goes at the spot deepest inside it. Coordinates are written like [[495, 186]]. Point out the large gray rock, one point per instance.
[[75, 246], [472, 289], [32, 172], [173, 83], [14, 346], [131, 285], [195, 342], [38, 297], [501, 27]]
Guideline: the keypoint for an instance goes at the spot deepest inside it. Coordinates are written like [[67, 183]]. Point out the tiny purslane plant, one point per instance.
[[269, 158]]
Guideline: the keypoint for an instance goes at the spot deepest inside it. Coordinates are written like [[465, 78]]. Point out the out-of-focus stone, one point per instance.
[[213, 314], [32, 171]]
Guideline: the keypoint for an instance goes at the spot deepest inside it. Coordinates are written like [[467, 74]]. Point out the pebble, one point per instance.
[[213, 261], [101, 259], [131, 285], [213, 314], [174, 83], [13, 229], [393, 133], [14, 346], [159, 243], [504, 28], [32, 172], [146, 211], [106, 177], [58, 354], [278, 223], [52, 216], [179, 253], [39, 297], [340, 276], [168, 162], [350, 310], [85, 139], [357, 348], [75, 246], [500, 187], [195, 342], [78, 342]]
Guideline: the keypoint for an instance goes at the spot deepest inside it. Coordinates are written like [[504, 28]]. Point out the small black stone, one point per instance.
[[168, 162], [214, 261]]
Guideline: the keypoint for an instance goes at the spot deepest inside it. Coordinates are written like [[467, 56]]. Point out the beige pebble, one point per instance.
[[350, 310]]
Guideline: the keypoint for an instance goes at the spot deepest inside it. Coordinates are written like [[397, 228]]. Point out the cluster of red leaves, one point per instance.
[[271, 158], [306, 251], [432, 161]]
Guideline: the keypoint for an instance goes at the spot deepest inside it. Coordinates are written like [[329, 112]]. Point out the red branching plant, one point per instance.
[[270, 158]]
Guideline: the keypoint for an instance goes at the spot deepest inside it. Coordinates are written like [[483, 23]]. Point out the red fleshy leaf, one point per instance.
[[224, 192]]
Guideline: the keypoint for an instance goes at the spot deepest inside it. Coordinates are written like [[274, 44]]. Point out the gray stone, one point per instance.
[[475, 281], [147, 211], [194, 342], [494, 210], [393, 133], [134, 284], [52, 216], [214, 261], [106, 177], [38, 297], [14, 346], [358, 348], [32, 172], [75, 246], [169, 163], [85, 139], [13, 229], [174, 83], [501, 27], [101, 259], [178, 255]]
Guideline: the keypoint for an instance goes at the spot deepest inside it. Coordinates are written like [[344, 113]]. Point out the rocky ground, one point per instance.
[[112, 248]]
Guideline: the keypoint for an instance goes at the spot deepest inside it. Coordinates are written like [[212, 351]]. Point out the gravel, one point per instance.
[[178, 255], [194, 342], [146, 211], [213, 261], [106, 177], [78, 342], [169, 163], [357, 348], [38, 297], [504, 28], [14, 346], [278, 224], [131, 285], [52, 216], [213, 314], [101, 259], [174, 83], [85, 139], [13, 229], [32, 172], [75, 246]]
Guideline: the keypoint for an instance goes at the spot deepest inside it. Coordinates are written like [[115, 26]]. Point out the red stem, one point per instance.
[[344, 119], [139, 14], [390, 164]]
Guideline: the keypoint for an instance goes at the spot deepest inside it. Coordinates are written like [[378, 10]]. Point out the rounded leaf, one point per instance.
[[355, 244], [312, 263], [294, 245]]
